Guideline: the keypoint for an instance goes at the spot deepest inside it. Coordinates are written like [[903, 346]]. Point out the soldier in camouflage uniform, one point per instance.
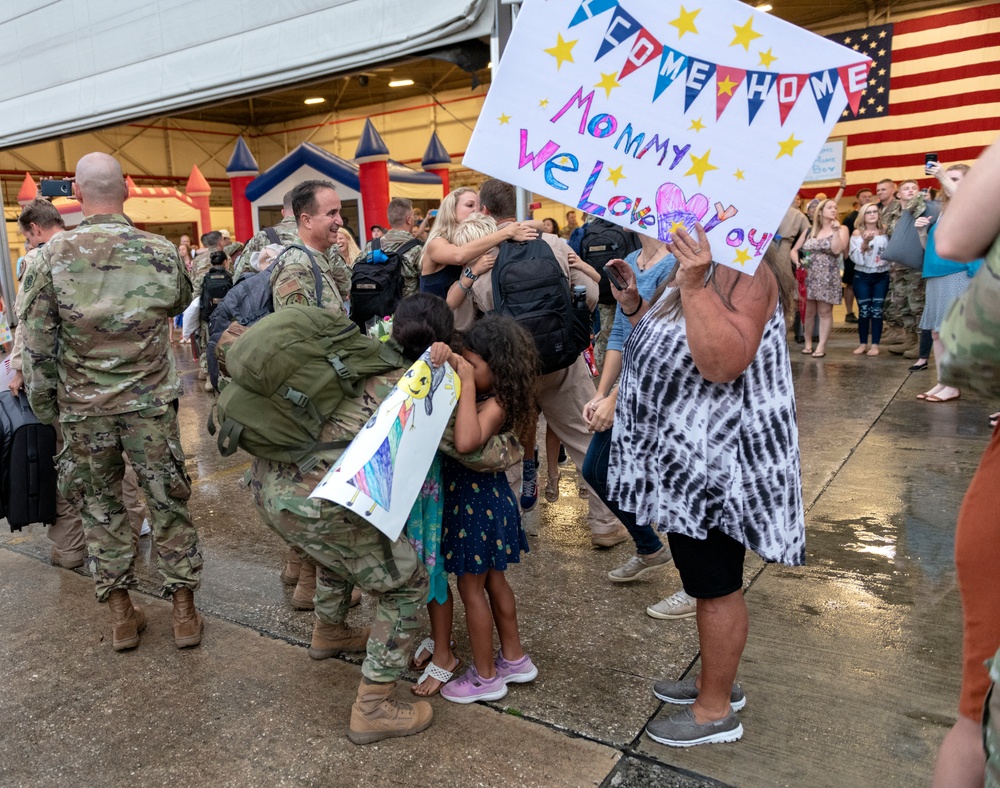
[[285, 234], [293, 281], [98, 360], [400, 232], [905, 302], [351, 552]]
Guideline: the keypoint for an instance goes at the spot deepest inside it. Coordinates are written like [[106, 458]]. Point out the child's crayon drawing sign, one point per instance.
[[657, 115]]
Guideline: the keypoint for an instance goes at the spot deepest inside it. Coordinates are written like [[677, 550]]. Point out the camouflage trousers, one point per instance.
[[203, 348], [91, 469], [607, 313], [905, 303], [348, 552]]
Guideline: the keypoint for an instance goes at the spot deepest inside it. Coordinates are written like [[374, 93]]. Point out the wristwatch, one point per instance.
[[468, 274]]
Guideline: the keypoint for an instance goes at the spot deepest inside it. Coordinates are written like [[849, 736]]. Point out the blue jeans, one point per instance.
[[870, 290], [595, 472]]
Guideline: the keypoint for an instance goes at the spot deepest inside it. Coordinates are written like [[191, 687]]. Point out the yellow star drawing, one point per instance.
[[675, 227], [543, 103], [739, 175], [726, 86], [504, 120], [766, 59], [562, 51], [788, 146], [744, 35], [701, 166], [742, 256], [609, 83], [696, 125], [685, 22], [615, 174]]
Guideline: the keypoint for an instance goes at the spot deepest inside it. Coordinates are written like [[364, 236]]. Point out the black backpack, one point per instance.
[[377, 281], [214, 286], [530, 286], [27, 469], [602, 242]]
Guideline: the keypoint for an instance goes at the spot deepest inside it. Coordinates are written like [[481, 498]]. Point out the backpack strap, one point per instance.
[[406, 246], [317, 275], [272, 235]]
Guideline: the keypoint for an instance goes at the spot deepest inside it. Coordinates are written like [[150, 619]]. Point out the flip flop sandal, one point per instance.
[[933, 398], [432, 671], [425, 645]]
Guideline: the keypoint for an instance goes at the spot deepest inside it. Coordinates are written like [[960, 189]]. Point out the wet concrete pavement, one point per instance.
[[851, 669]]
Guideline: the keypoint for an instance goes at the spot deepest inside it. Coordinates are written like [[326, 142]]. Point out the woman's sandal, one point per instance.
[[432, 671], [806, 351], [994, 418], [426, 645]]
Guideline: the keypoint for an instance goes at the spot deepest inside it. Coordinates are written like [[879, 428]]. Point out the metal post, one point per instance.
[[6, 278], [505, 12]]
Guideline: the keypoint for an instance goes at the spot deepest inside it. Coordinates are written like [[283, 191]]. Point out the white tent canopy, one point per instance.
[[75, 65]]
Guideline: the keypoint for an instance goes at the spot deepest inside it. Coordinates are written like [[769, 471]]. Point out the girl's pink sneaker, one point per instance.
[[520, 672], [472, 687]]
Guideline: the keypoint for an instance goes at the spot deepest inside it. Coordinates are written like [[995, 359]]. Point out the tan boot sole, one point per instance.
[[370, 737]]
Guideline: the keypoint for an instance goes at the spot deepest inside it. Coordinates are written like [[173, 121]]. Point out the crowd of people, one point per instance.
[[689, 430]]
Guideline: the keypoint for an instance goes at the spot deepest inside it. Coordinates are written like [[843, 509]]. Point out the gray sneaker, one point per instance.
[[684, 692], [639, 565], [678, 605], [682, 730]]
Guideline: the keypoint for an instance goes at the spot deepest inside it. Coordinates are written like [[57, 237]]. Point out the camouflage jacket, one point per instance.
[[293, 282], [283, 487], [288, 234], [95, 309], [18, 348], [890, 215], [411, 260]]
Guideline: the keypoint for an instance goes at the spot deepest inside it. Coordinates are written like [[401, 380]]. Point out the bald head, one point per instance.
[[100, 183]]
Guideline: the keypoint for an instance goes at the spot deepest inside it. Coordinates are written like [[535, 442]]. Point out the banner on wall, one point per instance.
[[657, 115]]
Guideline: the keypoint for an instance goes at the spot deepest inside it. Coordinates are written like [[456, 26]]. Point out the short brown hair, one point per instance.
[[498, 198], [304, 197], [399, 208], [40, 212]]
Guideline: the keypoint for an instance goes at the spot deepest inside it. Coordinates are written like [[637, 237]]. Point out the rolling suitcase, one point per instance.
[[27, 465]]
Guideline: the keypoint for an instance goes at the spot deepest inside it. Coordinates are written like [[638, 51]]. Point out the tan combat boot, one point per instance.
[[188, 625], [909, 342], [305, 589], [290, 572], [329, 640], [127, 620], [376, 715]]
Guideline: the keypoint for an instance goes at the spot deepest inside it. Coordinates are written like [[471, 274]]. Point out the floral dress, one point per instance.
[[823, 271], [423, 529]]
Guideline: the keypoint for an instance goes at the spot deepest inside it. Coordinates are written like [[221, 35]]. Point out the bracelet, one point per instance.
[[466, 289], [634, 311]]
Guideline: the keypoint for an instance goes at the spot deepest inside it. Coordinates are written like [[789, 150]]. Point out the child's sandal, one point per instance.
[[433, 671]]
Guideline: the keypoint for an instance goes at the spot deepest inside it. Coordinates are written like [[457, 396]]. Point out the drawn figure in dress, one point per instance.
[[374, 479]]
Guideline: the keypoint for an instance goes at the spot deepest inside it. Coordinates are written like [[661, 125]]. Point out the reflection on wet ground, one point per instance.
[[852, 668]]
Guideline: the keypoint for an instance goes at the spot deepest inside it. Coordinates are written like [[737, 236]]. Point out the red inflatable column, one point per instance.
[[198, 190], [242, 169], [372, 157]]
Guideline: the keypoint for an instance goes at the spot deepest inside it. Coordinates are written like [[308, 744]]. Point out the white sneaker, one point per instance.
[[639, 565], [208, 386], [679, 605], [145, 530]]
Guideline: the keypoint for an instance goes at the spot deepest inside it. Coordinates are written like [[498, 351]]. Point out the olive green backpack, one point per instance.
[[290, 370]]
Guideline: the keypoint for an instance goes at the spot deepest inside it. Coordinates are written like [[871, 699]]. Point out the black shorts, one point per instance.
[[710, 567], [848, 276]]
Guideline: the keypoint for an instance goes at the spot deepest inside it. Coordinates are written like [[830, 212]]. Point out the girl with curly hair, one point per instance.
[[481, 526]]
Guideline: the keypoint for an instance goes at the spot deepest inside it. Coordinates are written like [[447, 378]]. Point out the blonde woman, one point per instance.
[[348, 247], [871, 276], [827, 241], [441, 265]]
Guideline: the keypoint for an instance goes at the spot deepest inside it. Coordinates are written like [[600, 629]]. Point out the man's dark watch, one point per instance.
[[468, 273]]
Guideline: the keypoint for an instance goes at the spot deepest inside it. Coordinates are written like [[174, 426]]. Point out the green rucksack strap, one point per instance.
[[229, 437], [390, 562]]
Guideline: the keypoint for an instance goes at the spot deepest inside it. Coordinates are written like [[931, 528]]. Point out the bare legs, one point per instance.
[[961, 762], [481, 615], [441, 623], [722, 635], [941, 392], [825, 325]]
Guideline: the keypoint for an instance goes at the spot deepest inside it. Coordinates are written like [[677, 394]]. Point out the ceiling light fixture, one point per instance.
[[316, 100], [764, 7], [400, 83]]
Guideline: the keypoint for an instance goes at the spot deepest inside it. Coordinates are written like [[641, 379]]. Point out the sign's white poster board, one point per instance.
[[380, 473], [659, 114], [829, 163]]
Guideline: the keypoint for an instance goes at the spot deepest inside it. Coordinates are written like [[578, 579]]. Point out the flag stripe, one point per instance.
[[934, 21], [988, 40], [921, 132], [943, 63], [946, 102], [947, 155], [939, 77]]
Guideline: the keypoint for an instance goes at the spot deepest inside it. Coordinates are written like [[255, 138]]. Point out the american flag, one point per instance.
[[944, 95], [876, 42]]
